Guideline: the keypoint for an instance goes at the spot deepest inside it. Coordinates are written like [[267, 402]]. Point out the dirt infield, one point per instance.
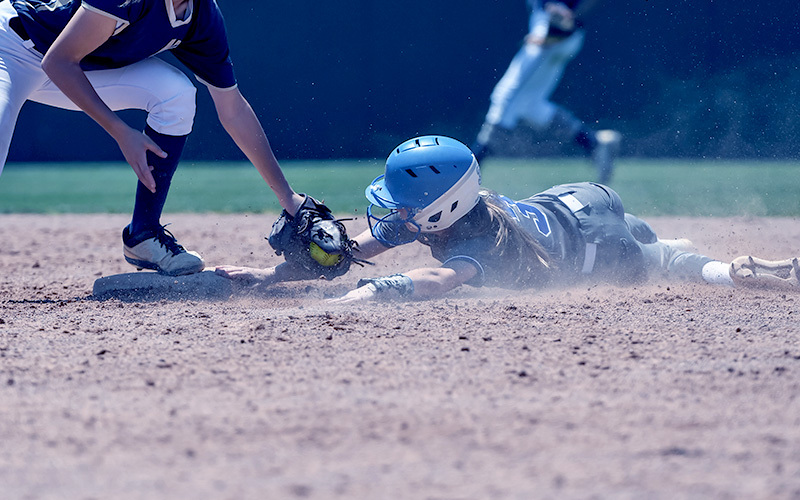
[[659, 391]]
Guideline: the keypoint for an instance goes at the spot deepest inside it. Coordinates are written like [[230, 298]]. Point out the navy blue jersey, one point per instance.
[[565, 220], [548, 222], [473, 239], [144, 29]]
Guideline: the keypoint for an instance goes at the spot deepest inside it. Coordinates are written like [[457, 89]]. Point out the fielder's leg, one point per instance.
[[169, 99], [149, 206], [20, 74]]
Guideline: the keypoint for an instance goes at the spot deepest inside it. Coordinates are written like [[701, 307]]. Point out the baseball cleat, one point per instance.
[[754, 272], [158, 250], [604, 153]]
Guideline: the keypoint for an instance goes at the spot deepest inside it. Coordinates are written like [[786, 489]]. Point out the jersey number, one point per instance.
[[519, 210]]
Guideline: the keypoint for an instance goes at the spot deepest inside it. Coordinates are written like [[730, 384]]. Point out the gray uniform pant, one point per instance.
[[620, 247]]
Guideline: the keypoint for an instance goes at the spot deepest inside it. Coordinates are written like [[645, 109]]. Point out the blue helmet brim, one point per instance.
[[377, 194]]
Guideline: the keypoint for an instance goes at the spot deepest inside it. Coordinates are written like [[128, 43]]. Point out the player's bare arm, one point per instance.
[[85, 32], [368, 246], [258, 276], [422, 283], [240, 121]]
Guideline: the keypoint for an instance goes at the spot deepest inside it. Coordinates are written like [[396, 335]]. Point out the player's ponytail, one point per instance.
[[529, 263]]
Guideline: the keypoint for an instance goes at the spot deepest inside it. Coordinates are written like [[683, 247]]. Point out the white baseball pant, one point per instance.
[[152, 85], [525, 89]]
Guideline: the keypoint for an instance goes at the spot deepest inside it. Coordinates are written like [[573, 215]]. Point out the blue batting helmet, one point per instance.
[[433, 179]]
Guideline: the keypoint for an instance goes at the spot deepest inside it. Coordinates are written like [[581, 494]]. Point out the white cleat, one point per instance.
[[604, 153], [759, 273], [162, 253]]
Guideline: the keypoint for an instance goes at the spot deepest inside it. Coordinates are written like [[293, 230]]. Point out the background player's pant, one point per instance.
[[532, 76]]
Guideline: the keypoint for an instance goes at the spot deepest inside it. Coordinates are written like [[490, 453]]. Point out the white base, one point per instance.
[[147, 286]]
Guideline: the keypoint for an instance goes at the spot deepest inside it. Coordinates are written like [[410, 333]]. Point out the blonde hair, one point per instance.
[[515, 245]]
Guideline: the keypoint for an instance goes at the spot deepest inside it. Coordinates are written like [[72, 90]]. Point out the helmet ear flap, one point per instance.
[[453, 204]]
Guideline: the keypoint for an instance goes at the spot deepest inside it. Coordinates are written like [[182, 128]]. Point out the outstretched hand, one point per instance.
[[246, 275], [366, 292]]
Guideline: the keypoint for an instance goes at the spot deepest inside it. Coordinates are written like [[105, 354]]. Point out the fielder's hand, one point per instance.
[[134, 146], [313, 242]]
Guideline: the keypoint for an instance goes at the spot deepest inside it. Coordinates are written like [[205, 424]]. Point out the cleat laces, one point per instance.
[[167, 240]]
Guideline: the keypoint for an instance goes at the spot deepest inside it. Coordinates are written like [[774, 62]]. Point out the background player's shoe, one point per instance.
[[604, 153], [160, 251], [754, 272]]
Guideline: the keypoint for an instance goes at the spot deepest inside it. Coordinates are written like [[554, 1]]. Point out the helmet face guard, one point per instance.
[[430, 182], [391, 228]]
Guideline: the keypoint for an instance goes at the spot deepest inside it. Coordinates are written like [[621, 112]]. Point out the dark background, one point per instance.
[[352, 78]]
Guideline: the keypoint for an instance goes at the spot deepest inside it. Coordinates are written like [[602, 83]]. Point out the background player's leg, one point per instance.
[[534, 101], [502, 112]]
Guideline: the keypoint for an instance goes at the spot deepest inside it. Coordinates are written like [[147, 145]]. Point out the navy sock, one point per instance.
[[148, 207]]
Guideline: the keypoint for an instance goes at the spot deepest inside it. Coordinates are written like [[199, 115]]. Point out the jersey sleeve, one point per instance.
[[471, 251], [122, 12], [480, 277], [205, 52]]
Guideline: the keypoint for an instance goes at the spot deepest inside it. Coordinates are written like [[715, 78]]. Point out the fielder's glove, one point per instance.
[[313, 242]]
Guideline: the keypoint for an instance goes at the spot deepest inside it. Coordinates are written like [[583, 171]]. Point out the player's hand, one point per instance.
[[134, 146], [244, 274], [534, 40], [366, 292], [559, 9]]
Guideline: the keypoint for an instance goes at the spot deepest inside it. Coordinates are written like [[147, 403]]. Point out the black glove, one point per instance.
[[313, 242]]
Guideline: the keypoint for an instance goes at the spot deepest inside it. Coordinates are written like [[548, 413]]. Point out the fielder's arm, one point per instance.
[[242, 124], [86, 31]]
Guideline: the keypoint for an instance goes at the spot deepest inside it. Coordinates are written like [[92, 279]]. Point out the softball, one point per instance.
[[324, 258]]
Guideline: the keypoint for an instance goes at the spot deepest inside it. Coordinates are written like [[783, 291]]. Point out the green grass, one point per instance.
[[648, 187]]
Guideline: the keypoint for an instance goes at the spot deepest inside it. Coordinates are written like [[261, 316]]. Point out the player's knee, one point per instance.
[[640, 229], [174, 112]]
